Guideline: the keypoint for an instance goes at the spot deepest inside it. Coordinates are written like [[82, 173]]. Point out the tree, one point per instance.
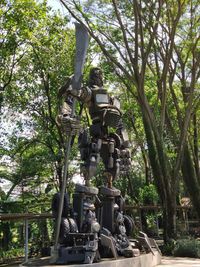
[[37, 56], [46, 48], [141, 43]]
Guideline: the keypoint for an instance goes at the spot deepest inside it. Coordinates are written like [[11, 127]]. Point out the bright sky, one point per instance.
[[55, 4]]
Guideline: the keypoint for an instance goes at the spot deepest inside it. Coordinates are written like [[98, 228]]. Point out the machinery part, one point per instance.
[[89, 257], [81, 247], [85, 95], [85, 153], [129, 225], [128, 252], [84, 138], [56, 202], [123, 245], [99, 144], [110, 162], [97, 257], [112, 192], [119, 200], [124, 136], [94, 148], [86, 189], [154, 245], [108, 242], [111, 147], [95, 227], [117, 139], [70, 125], [68, 225], [84, 199], [107, 213], [92, 166], [90, 224], [73, 226], [64, 230], [111, 117], [96, 130], [145, 242]]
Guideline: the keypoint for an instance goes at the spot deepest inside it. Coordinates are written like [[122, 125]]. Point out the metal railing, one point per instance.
[[26, 217]]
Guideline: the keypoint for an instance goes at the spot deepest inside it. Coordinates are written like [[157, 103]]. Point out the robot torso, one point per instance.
[[103, 109]]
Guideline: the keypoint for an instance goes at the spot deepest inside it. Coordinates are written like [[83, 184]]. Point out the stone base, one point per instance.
[[144, 260]]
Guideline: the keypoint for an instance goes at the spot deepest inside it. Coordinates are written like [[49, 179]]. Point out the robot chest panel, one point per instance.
[[100, 97], [103, 110]]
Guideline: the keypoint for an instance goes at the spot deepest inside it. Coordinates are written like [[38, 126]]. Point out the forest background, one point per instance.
[[150, 55]]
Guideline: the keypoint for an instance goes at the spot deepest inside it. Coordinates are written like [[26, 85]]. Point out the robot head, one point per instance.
[[96, 77]]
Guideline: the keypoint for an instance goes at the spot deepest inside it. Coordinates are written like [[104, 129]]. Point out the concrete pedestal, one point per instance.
[[144, 260]]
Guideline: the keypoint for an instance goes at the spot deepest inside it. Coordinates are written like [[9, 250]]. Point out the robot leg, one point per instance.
[[94, 157], [125, 160], [90, 155], [112, 171]]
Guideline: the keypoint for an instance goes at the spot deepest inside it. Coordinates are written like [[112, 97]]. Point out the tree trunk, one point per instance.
[[7, 235], [190, 179], [169, 219], [166, 191], [196, 148]]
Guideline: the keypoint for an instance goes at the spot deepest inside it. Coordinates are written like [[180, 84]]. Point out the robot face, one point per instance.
[[96, 77], [97, 73], [102, 99]]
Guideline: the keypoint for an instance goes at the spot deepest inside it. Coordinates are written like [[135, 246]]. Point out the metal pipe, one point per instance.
[[62, 193], [26, 240]]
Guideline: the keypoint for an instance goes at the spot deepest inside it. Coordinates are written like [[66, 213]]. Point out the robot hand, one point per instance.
[[70, 125], [67, 89]]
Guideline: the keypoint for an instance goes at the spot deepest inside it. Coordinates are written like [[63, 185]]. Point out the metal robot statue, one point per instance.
[[107, 139], [99, 141]]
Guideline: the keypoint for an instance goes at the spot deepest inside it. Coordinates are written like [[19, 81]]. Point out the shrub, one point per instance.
[[168, 248], [187, 248], [12, 254], [148, 194]]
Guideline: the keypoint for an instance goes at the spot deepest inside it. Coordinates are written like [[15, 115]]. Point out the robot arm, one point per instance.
[[67, 93], [83, 94], [122, 132], [125, 153]]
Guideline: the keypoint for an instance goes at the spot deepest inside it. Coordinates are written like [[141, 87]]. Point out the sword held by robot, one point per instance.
[[70, 122]]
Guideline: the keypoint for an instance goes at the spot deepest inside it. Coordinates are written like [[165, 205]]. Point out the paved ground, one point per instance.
[[166, 262], [179, 262]]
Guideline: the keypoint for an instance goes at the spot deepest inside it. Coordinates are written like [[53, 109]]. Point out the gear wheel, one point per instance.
[[64, 230], [129, 224]]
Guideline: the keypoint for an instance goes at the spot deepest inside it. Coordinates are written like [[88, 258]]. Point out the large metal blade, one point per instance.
[[82, 41]]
